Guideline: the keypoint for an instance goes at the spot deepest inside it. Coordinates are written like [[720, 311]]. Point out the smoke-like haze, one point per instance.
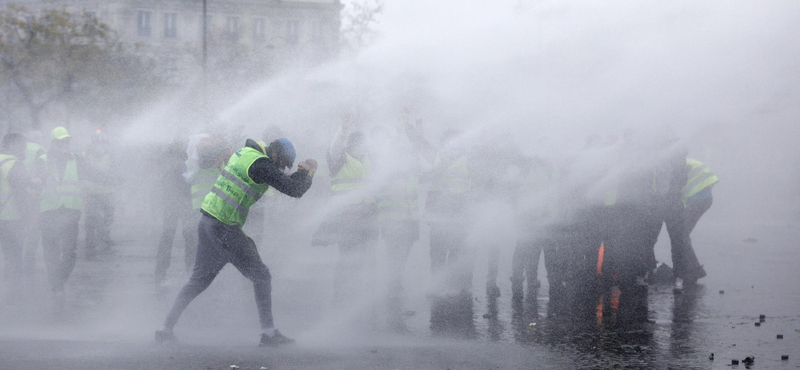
[[541, 76]]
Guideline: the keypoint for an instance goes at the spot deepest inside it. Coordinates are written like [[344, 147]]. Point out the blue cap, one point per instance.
[[288, 149]]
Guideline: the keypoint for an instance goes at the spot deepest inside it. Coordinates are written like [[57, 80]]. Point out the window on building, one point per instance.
[[170, 25], [259, 29], [143, 24], [232, 28], [292, 31]]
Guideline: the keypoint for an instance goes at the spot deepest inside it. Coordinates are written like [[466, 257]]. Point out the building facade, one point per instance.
[[277, 29]]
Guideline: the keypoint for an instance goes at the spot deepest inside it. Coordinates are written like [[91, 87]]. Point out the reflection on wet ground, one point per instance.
[[645, 328]]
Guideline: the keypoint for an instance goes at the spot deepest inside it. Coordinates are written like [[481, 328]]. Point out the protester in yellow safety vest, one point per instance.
[[61, 206], [696, 195], [33, 151], [353, 223], [99, 193], [250, 171], [398, 205], [14, 210]]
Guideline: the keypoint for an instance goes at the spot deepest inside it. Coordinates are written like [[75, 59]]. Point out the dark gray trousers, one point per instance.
[[684, 258], [217, 245]]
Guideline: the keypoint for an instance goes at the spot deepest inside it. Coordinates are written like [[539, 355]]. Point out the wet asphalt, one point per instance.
[[113, 308]]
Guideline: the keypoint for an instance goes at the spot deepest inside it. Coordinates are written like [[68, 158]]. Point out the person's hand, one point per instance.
[[309, 165]]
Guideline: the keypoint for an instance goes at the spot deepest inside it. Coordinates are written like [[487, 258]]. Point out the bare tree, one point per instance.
[[54, 56], [360, 19]]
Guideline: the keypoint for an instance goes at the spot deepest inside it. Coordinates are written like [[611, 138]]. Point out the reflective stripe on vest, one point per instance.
[[202, 183], [8, 207], [234, 191], [351, 177], [64, 191], [455, 179], [700, 177]]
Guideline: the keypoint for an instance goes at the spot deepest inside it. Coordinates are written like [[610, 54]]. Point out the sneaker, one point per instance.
[[678, 285], [163, 336], [275, 340], [640, 281]]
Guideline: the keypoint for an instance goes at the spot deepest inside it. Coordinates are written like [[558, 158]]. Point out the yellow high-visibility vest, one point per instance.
[[61, 190], [351, 177], [700, 178]]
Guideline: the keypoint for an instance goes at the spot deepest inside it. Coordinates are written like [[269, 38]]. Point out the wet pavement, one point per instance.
[[113, 308]]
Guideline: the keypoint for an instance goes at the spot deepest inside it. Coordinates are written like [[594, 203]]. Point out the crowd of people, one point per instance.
[[594, 215]]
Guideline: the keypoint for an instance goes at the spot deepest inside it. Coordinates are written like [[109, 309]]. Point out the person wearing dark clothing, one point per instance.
[[14, 210], [177, 204], [534, 203], [61, 206], [697, 197], [248, 174]]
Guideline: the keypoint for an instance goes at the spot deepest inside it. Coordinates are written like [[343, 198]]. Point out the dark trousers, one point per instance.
[[188, 220], [219, 244], [12, 242], [525, 264], [60, 243], [99, 217], [637, 228], [684, 259], [449, 251]]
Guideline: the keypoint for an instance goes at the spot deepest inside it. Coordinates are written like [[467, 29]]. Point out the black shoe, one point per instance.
[[165, 337], [275, 340]]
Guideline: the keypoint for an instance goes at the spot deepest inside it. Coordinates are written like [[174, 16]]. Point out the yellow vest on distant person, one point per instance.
[[61, 190], [700, 178], [351, 178]]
